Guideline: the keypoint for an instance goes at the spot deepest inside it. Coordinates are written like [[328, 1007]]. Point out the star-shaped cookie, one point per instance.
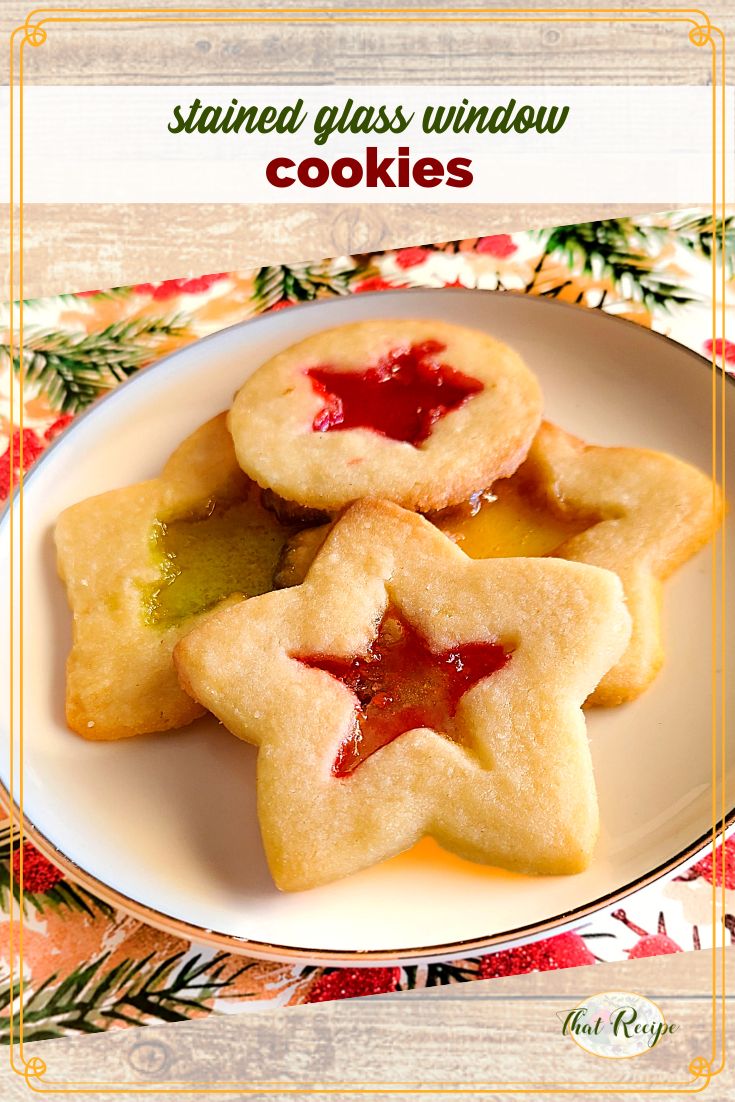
[[638, 512], [404, 689], [141, 565], [643, 512]]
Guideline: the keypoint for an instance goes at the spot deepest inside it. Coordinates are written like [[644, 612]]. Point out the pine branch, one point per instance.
[[300, 283], [92, 997], [67, 298], [71, 298], [106, 294], [616, 249], [697, 233], [75, 368], [62, 896]]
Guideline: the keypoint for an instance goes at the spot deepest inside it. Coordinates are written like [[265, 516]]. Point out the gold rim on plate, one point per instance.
[[273, 951]]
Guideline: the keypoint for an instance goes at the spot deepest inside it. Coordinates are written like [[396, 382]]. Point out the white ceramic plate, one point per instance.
[[165, 825]]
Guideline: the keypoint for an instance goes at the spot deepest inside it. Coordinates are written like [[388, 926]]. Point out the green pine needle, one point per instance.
[[63, 896], [300, 282], [75, 368], [93, 996], [617, 249], [697, 233]]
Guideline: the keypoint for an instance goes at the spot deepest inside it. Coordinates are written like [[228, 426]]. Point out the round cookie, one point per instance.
[[417, 411]]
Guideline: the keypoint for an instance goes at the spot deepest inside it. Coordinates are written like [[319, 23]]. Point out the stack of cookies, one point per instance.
[[386, 571]]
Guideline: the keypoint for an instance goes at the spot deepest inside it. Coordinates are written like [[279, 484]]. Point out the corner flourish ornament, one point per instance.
[[701, 33], [701, 1068], [34, 34], [33, 1071]]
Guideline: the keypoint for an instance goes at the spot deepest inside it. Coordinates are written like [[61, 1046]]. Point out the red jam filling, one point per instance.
[[401, 684], [402, 396]]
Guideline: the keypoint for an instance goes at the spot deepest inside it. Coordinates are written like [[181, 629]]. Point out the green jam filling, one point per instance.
[[209, 554]]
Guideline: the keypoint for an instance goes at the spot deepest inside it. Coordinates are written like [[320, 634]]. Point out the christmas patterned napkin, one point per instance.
[[89, 967]]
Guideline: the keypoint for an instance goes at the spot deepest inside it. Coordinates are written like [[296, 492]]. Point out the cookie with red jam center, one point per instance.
[[404, 689], [638, 512], [402, 683], [415, 411]]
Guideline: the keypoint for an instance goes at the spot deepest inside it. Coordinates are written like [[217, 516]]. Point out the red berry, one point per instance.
[[58, 426], [704, 867], [498, 244], [377, 283], [39, 874], [723, 348], [32, 448], [350, 983], [409, 258], [170, 287], [653, 945], [562, 951], [201, 283]]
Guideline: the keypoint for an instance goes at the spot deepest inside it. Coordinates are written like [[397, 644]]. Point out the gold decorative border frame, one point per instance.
[[701, 32]]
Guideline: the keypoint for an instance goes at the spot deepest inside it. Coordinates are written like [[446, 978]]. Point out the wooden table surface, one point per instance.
[[68, 247]]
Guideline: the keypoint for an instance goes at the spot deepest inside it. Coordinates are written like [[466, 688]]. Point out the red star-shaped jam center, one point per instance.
[[402, 684], [402, 396]]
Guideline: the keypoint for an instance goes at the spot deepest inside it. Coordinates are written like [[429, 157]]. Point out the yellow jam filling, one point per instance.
[[507, 524], [211, 553]]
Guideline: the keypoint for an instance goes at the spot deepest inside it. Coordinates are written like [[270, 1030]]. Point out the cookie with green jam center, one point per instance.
[[144, 564]]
